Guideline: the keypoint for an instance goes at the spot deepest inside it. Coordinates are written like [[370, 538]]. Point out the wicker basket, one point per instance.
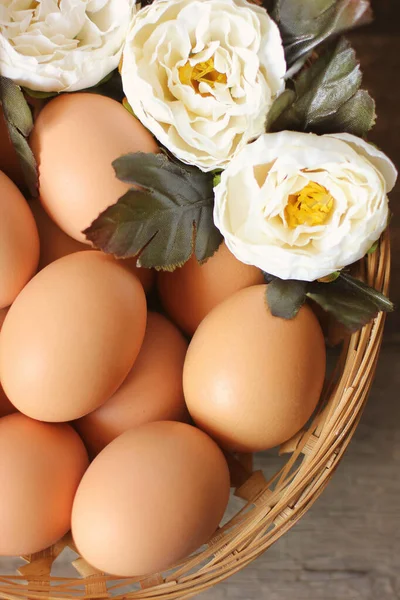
[[270, 508]]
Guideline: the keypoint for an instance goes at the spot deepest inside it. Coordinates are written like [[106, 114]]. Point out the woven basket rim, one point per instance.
[[270, 507]]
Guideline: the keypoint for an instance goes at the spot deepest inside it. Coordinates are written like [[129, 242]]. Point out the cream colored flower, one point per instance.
[[300, 206], [201, 75], [62, 45]]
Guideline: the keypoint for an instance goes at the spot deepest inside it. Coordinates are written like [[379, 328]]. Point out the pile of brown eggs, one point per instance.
[[116, 420]]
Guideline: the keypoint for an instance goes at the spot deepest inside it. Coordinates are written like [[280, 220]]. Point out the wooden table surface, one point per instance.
[[347, 547]]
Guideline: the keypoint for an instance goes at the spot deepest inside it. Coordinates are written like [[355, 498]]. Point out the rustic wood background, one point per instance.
[[348, 545]]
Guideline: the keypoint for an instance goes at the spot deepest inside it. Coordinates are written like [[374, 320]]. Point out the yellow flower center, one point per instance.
[[202, 72], [311, 206]]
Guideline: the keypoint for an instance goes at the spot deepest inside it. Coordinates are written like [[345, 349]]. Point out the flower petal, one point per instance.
[[210, 117], [374, 155], [254, 191], [62, 46]]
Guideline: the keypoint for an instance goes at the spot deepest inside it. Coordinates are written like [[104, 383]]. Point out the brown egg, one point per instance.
[[252, 380], [19, 242], [75, 139], [147, 277], [41, 466], [55, 244], [6, 408], [189, 293], [153, 496], [152, 391], [9, 162], [71, 337]]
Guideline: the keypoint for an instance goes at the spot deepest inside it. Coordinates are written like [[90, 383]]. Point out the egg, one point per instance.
[[190, 292], [55, 244], [252, 380], [152, 391], [19, 242], [41, 465], [75, 139], [153, 496], [71, 337], [147, 277], [6, 408]]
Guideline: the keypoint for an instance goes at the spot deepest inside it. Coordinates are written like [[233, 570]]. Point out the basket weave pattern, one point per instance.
[[270, 508]]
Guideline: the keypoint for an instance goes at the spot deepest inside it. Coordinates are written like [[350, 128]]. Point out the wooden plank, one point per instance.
[[379, 56]]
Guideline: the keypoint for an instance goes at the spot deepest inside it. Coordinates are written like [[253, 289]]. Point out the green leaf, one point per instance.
[[327, 97], [19, 122], [356, 116], [27, 160], [305, 24], [15, 107], [39, 95], [351, 301], [329, 278], [373, 248], [217, 179], [128, 107], [268, 278], [286, 297], [322, 88], [279, 106], [164, 218]]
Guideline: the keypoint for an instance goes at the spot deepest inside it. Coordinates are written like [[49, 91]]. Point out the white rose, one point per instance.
[[301, 206], [201, 75], [62, 45]]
